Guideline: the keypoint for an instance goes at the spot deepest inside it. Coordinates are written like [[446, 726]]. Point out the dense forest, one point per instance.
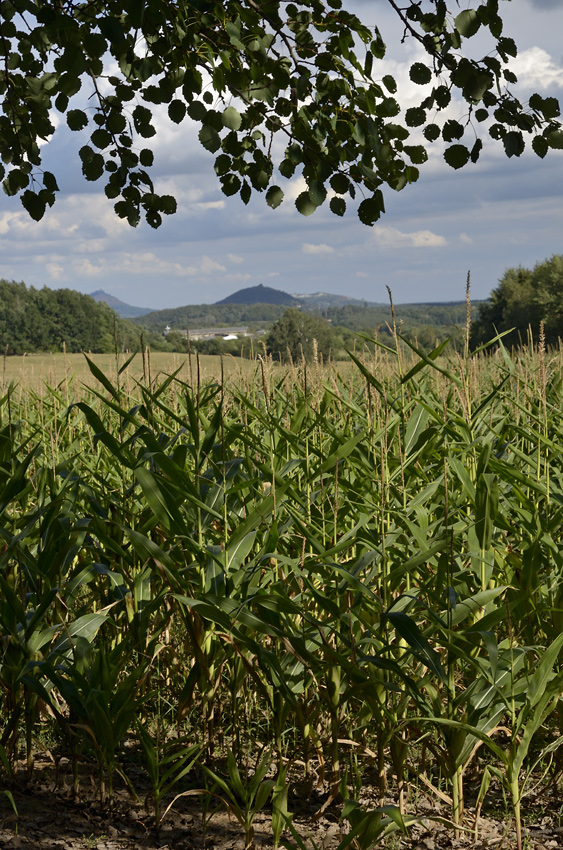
[[356, 317], [45, 319], [425, 324], [211, 315], [522, 301]]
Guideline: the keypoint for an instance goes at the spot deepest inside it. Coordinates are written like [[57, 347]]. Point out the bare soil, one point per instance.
[[50, 817]]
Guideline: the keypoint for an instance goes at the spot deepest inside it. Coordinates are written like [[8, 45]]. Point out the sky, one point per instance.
[[483, 219]]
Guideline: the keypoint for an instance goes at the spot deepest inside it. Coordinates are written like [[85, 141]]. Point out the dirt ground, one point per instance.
[[50, 818]]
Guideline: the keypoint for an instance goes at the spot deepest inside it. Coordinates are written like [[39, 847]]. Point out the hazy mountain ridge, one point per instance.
[[123, 310], [244, 307], [324, 300]]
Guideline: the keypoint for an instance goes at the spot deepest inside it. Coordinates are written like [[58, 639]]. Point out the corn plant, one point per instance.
[[305, 563]]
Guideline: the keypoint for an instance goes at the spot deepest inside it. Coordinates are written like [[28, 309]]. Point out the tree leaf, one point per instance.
[[514, 143], [245, 192], [231, 118], [34, 204], [420, 73], [476, 150], [304, 204], [467, 23], [92, 163], [337, 206], [230, 184], [457, 156], [340, 183], [555, 139], [176, 110], [209, 138], [370, 210], [540, 146], [415, 116], [432, 132], [76, 119], [452, 130], [146, 157], [50, 182], [274, 197]]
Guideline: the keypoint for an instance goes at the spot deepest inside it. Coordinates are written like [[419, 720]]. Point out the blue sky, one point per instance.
[[484, 218]]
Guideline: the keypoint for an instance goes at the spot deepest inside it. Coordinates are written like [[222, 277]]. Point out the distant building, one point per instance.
[[212, 333]]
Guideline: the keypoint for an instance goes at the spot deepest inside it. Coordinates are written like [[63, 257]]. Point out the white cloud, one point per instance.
[[212, 205], [362, 274], [66, 222], [536, 68], [294, 188], [56, 271], [309, 248], [85, 268], [208, 265], [467, 240], [238, 277], [234, 258], [91, 246], [148, 265], [6, 220], [389, 237]]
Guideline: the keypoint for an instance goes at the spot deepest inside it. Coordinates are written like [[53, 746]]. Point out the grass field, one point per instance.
[[36, 370], [319, 578]]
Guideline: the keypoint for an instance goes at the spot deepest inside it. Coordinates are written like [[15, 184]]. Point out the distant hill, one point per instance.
[[62, 320], [411, 316], [256, 316], [125, 311], [324, 300], [418, 320], [260, 295]]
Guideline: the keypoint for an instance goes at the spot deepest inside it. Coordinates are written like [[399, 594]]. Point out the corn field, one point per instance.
[[293, 576]]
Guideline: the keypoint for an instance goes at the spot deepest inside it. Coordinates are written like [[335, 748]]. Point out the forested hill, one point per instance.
[[260, 295], [358, 317], [355, 317], [33, 320], [211, 315], [46, 319]]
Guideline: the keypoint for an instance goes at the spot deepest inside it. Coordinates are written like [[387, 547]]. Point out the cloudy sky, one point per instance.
[[485, 218]]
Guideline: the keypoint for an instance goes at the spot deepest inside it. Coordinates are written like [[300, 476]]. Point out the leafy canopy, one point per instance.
[[45, 319], [250, 73], [520, 302], [298, 335]]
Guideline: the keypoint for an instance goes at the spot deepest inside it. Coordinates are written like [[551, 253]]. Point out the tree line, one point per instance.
[[211, 315], [36, 320], [33, 320], [335, 329], [524, 299], [526, 303]]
